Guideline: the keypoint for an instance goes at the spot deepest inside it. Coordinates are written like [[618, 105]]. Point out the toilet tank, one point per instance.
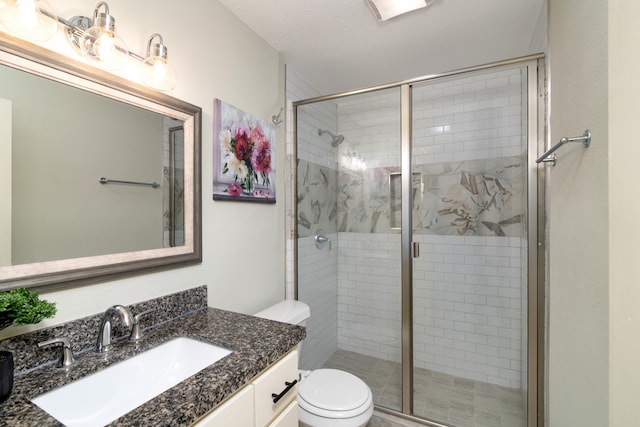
[[287, 311]]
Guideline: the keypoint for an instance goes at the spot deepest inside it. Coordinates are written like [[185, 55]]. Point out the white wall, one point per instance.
[[578, 248], [624, 152], [215, 56]]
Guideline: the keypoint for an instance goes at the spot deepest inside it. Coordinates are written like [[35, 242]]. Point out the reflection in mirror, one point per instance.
[[59, 208], [174, 225], [59, 136]]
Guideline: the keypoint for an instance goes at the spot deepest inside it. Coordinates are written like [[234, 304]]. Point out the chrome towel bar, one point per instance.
[[104, 180], [585, 139]]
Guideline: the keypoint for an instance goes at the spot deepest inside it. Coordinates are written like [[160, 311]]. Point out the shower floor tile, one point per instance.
[[438, 397]]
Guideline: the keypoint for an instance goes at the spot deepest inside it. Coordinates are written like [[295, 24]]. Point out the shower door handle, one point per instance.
[[416, 250]]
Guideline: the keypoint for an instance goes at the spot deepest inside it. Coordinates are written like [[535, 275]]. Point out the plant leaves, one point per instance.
[[23, 307]]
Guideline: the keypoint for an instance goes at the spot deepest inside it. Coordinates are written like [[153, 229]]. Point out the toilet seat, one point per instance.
[[335, 394]]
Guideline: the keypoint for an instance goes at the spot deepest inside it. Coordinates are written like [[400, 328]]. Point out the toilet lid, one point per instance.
[[338, 392]]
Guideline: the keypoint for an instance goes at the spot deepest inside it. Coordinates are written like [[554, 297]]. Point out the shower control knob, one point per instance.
[[321, 240]]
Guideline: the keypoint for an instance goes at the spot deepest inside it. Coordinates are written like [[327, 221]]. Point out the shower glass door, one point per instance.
[[470, 279], [425, 285], [350, 193]]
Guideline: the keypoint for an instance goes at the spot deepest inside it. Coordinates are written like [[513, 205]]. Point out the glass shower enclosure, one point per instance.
[[416, 224]]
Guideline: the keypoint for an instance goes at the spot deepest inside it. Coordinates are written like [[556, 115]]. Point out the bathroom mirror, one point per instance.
[[99, 176]]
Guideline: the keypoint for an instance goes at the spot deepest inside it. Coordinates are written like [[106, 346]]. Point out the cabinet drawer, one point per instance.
[[237, 411], [288, 417], [273, 382]]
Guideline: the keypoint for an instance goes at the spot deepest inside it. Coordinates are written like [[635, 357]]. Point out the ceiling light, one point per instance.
[[387, 9]]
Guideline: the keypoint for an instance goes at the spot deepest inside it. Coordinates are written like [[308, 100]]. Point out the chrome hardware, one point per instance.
[[289, 386], [104, 180], [66, 358], [321, 240], [585, 139], [136, 332], [104, 335], [416, 249], [275, 118], [553, 159]]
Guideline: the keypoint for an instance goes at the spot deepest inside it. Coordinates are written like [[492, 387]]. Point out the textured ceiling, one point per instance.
[[338, 45]]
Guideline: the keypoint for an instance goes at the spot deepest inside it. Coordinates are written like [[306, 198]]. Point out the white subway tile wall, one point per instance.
[[467, 307], [318, 271], [469, 291], [369, 316]]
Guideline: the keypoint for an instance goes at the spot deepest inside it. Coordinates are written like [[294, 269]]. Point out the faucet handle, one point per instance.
[[136, 332], [66, 359]]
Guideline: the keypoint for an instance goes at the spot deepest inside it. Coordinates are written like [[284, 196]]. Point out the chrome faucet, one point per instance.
[[104, 335]]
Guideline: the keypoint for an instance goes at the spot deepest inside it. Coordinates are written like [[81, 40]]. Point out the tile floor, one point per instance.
[[439, 397]]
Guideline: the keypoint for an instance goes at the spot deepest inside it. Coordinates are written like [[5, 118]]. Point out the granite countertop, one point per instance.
[[256, 344]]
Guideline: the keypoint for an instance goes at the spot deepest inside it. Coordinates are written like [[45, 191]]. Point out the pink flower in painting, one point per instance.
[[257, 134], [261, 156], [235, 189]]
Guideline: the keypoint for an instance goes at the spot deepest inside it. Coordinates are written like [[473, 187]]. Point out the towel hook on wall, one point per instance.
[[585, 139], [275, 118]]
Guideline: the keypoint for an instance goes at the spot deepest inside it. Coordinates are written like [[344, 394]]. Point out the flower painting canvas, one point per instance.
[[244, 156]]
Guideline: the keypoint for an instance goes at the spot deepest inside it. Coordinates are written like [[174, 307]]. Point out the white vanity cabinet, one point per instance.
[[236, 411], [253, 405]]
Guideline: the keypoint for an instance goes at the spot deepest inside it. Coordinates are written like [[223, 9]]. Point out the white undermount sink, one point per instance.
[[100, 398]]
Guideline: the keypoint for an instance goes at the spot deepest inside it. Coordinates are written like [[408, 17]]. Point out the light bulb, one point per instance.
[[29, 19], [105, 46], [158, 73], [101, 44]]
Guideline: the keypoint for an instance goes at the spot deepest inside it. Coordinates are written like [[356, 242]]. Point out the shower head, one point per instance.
[[335, 139]]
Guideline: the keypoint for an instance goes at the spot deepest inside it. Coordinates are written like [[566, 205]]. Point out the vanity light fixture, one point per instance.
[[33, 20], [387, 9], [99, 42], [157, 72], [95, 39]]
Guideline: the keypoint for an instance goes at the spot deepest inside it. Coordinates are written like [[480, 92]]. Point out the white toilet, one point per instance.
[[326, 397]]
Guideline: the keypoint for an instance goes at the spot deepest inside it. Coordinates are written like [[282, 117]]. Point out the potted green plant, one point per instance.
[[18, 307], [23, 307]]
